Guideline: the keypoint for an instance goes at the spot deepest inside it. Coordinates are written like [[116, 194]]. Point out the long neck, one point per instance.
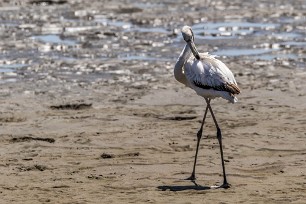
[[178, 68]]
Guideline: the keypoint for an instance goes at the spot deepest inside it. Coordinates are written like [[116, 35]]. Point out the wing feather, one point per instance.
[[210, 73]]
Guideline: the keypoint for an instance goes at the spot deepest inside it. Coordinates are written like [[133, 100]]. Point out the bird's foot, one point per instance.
[[225, 185], [191, 178]]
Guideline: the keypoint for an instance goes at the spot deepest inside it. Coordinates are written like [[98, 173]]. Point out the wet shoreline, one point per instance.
[[64, 33]]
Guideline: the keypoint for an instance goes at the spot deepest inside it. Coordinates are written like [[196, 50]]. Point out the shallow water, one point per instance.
[[75, 37], [234, 24], [294, 44], [54, 39], [149, 30], [106, 21], [219, 30], [149, 5], [130, 27], [11, 67], [269, 57], [143, 58], [247, 32], [241, 52], [215, 31]]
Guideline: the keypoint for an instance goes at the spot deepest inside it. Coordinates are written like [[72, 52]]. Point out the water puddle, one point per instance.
[[293, 44], [9, 80], [222, 30], [234, 52], [289, 20], [240, 30], [143, 58], [270, 57], [234, 25], [7, 68], [129, 27], [205, 30], [265, 54], [286, 35], [64, 58], [8, 23], [148, 5], [54, 39], [108, 22], [150, 30]]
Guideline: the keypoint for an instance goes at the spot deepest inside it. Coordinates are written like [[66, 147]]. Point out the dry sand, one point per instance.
[[117, 142]]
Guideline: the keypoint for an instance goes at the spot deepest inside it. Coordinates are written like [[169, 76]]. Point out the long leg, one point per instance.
[[199, 135], [219, 136]]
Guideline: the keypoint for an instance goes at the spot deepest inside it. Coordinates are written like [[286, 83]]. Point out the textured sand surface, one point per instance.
[[132, 138]]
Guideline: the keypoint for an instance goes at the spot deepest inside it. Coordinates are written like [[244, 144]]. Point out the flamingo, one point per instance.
[[209, 78]]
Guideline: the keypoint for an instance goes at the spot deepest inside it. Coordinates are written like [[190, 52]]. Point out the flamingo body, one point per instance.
[[209, 78]]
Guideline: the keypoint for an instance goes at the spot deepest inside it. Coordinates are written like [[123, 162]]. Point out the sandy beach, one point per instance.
[[92, 113]]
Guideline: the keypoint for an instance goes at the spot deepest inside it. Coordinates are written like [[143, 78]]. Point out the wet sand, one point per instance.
[[89, 123]]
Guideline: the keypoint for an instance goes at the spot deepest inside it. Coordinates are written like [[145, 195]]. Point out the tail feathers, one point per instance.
[[235, 100], [232, 88], [230, 97]]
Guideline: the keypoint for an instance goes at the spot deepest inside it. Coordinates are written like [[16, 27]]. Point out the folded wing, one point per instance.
[[211, 73]]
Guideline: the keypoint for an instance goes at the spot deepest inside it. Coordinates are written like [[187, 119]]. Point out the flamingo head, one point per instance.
[[187, 34], [189, 38]]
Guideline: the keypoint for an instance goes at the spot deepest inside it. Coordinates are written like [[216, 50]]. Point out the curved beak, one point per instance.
[[194, 49]]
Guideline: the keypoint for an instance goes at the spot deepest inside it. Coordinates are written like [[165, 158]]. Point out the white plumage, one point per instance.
[[212, 74]]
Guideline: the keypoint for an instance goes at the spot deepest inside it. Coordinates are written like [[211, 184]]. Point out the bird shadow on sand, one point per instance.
[[184, 187]]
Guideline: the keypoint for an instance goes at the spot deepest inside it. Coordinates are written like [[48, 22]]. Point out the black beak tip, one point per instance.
[[197, 57]]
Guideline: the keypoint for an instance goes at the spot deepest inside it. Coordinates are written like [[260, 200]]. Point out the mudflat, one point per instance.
[[91, 113]]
